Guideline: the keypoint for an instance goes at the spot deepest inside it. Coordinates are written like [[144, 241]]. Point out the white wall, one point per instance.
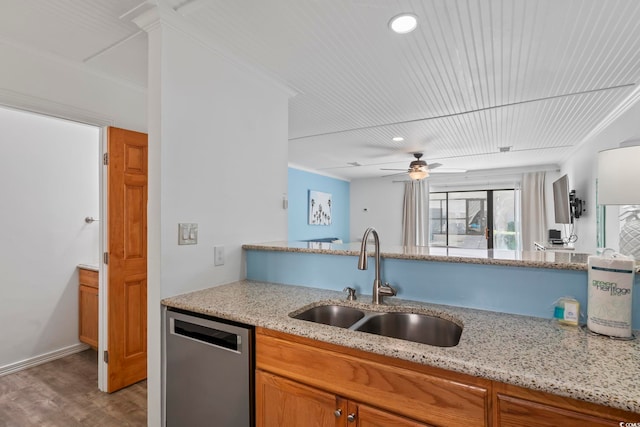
[[48, 185], [582, 170], [49, 85], [224, 164], [218, 157], [382, 198]]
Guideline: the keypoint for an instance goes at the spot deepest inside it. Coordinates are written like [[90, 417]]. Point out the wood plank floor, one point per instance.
[[64, 393]]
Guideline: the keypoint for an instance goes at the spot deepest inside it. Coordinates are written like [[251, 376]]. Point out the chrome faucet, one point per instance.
[[379, 290]]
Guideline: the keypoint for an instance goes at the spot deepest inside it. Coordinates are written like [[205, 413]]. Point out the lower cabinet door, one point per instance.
[[368, 416], [284, 403], [88, 317], [281, 402]]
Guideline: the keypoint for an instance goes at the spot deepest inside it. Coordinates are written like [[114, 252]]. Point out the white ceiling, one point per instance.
[[537, 76]]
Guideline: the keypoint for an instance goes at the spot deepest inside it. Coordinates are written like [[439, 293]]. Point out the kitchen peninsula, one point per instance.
[[501, 350], [525, 283], [513, 363], [543, 259]]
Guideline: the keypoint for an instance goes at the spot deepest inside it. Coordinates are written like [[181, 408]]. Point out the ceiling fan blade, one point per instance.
[[448, 170], [393, 174], [434, 165], [384, 169]]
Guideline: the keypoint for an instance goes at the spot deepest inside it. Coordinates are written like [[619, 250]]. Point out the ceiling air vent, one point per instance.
[[504, 149]]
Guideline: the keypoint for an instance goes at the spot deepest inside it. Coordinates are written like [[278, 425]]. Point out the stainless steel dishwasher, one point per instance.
[[208, 371]]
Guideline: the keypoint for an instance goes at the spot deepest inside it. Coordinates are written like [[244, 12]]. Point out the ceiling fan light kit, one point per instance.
[[418, 174], [418, 169]]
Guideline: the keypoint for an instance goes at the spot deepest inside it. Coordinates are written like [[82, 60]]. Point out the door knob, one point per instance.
[[337, 412], [351, 417]]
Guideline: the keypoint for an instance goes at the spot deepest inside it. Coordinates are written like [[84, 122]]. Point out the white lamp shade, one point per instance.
[[418, 174], [619, 176]]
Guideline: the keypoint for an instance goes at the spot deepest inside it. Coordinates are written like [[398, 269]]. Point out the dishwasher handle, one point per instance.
[[207, 335]]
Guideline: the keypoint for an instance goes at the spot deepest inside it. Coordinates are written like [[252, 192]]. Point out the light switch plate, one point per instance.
[[187, 233]]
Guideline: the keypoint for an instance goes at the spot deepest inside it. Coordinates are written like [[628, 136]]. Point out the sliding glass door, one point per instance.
[[473, 219]]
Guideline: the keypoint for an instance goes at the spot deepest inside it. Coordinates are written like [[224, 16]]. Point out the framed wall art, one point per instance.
[[319, 208]]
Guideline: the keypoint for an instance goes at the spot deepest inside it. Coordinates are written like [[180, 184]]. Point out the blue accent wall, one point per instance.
[[517, 290], [300, 182]]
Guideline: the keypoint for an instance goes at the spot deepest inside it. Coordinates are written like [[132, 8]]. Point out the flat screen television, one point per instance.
[[562, 200]]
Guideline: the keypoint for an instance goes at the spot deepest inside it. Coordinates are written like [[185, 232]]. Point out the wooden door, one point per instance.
[[368, 416], [284, 403], [127, 263]]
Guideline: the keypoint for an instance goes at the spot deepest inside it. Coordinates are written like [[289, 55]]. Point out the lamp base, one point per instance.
[[630, 239]]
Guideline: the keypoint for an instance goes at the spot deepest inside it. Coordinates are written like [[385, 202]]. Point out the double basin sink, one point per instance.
[[420, 328]]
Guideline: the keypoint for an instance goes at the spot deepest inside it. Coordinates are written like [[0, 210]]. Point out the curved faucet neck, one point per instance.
[[362, 260]]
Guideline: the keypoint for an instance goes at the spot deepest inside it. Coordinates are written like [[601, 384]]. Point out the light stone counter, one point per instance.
[[88, 267], [525, 351], [563, 260]]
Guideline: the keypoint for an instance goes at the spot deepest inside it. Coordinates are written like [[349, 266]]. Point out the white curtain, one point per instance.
[[415, 214], [534, 222]]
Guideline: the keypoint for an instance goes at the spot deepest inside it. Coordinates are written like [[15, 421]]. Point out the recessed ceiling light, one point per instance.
[[403, 23], [398, 138]]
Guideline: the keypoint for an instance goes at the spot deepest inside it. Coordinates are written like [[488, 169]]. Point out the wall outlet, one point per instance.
[[187, 233], [218, 255]]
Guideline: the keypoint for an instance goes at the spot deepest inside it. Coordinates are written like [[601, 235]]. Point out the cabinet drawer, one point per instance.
[[88, 277], [517, 406], [379, 381], [516, 412]]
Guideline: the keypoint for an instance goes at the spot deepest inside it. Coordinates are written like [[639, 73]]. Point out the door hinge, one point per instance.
[[105, 356], [105, 159], [105, 257]]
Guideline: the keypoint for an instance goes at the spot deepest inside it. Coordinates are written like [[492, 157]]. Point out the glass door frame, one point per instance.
[[489, 227]]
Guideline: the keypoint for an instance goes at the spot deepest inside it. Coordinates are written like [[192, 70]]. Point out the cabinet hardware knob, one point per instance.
[[337, 412], [351, 417]]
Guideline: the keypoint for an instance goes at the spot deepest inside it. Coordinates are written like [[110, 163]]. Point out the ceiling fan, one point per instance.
[[418, 169]]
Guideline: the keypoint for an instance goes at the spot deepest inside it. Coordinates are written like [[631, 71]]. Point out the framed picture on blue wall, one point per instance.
[[319, 208]]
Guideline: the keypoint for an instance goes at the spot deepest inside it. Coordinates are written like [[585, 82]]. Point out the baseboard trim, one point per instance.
[[43, 358]]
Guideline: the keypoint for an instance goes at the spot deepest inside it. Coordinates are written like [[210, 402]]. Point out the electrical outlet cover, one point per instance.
[[218, 255]]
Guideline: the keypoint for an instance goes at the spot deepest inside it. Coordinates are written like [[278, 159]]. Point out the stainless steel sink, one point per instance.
[[334, 315], [414, 327]]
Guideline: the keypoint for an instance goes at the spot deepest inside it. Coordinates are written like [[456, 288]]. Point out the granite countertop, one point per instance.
[[88, 267], [526, 351], [563, 260]]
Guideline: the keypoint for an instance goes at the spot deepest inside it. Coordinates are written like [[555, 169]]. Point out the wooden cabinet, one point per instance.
[[377, 390], [284, 403], [368, 416], [516, 406], [88, 306], [303, 382]]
